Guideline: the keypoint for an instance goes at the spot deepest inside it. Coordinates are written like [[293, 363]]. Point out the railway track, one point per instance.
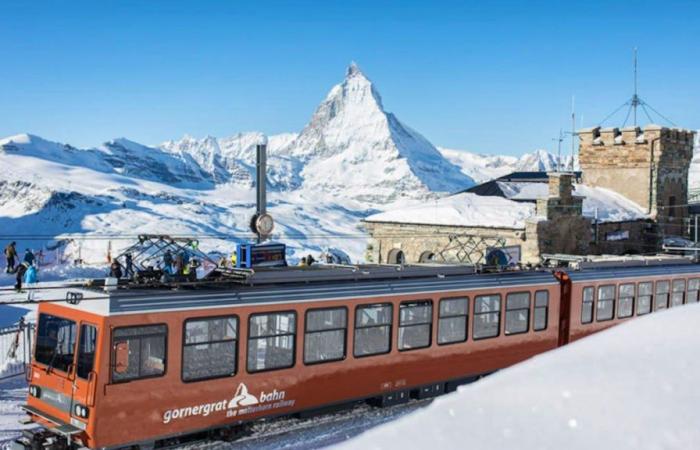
[[314, 432]]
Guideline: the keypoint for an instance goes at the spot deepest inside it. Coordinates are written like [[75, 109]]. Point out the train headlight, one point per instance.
[[81, 411], [34, 391]]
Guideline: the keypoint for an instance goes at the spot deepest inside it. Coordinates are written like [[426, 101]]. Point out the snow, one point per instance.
[[463, 210], [471, 210], [483, 168], [631, 387], [609, 206]]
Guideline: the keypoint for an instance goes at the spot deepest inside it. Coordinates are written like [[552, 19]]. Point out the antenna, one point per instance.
[[573, 130], [635, 102], [559, 141], [635, 97]]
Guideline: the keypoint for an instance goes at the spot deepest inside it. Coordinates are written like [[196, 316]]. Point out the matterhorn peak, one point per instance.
[[353, 69]]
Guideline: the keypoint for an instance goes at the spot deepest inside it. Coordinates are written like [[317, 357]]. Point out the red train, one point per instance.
[[139, 368]]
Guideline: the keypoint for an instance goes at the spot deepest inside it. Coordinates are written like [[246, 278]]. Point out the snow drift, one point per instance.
[[631, 387]]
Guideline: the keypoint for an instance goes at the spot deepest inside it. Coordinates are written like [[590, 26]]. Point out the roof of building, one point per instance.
[[510, 209], [492, 187]]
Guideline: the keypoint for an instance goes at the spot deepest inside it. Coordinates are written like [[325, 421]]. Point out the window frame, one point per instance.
[[656, 295], [528, 309], [165, 355], [466, 321], [409, 303], [76, 344], [651, 298], [294, 341], [355, 328], [184, 344], [688, 291], [78, 347], [684, 292], [633, 297], [546, 311], [591, 304], [345, 335], [499, 312], [613, 300]]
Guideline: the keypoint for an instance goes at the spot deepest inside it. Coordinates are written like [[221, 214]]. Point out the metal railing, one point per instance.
[[15, 349]]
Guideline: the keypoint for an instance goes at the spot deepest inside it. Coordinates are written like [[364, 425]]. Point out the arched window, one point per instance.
[[396, 256], [426, 256]]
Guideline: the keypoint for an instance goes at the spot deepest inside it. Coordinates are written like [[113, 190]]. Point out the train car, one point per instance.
[[606, 296], [138, 368]]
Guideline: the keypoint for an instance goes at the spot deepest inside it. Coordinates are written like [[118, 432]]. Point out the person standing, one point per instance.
[[11, 256], [129, 263], [21, 270], [29, 257]]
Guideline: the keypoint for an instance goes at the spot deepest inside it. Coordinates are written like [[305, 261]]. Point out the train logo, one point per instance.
[[242, 403], [242, 398]]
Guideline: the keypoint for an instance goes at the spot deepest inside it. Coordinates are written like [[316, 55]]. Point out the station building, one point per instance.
[[632, 190]]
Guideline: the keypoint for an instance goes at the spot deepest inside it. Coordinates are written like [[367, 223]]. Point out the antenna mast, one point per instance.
[[635, 102], [573, 130], [635, 97]]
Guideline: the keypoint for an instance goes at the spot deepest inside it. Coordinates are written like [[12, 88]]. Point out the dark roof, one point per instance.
[[491, 188]]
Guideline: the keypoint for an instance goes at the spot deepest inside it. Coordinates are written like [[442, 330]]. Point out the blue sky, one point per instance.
[[490, 77]]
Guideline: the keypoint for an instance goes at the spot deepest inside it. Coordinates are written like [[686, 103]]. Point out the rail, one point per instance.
[[15, 349]]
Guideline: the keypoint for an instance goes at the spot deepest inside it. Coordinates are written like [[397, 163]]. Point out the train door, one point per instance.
[[564, 307], [85, 377]]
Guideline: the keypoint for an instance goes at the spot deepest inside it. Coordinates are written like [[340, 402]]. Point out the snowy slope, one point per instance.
[[631, 387]]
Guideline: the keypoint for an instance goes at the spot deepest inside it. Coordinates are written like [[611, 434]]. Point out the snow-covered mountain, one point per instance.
[[487, 167], [352, 146]]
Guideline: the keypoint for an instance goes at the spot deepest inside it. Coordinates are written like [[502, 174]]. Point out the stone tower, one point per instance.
[[649, 167]]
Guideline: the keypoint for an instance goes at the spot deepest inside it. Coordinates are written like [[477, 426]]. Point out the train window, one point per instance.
[[452, 321], [693, 288], [541, 310], [324, 340], [210, 348], [145, 349], [677, 292], [662, 290], [605, 308], [55, 344], [372, 329], [625, 302], [517, 313], [271, 341], [587, 305], [415, 325], [487, 316], [644, 297], [86, 350]]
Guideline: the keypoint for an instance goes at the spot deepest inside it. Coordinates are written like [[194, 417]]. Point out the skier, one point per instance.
[[11, 255], [29, 257]]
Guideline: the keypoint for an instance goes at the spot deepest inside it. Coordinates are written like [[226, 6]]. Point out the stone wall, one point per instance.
[[417, 240], [623, 238], [649, 167]]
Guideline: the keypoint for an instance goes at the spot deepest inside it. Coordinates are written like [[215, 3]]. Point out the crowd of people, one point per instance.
[[25, 271]]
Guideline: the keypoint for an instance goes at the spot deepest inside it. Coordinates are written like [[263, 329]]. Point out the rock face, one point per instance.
[[353, 147]]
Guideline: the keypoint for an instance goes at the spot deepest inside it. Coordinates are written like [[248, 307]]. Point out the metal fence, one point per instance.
[[15, 349]]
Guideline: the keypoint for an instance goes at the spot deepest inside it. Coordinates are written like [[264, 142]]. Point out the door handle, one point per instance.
[[92, 377]]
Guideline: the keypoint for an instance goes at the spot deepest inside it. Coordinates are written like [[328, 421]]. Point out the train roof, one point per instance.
[[135, 299]]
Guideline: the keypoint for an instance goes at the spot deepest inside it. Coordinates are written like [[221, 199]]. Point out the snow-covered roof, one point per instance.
[[610, 206], [631, 387], [462, 210], [471, 210]]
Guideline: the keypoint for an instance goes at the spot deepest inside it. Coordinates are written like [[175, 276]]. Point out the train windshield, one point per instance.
[[55, 344]]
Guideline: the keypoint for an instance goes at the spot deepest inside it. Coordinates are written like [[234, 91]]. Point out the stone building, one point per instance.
[[633, 189], [534, 218], [649, 166]]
